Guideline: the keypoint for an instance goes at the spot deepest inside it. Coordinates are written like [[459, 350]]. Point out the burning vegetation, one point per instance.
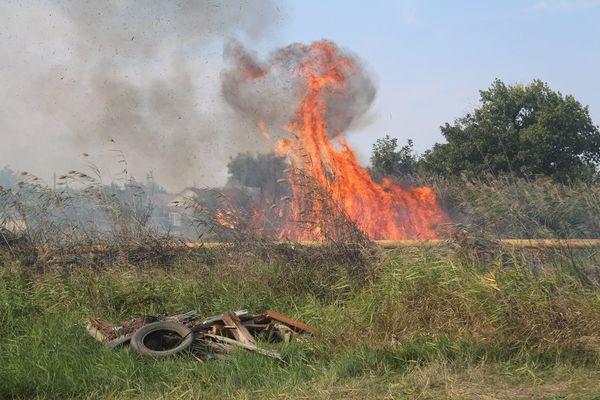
[[330, 89]]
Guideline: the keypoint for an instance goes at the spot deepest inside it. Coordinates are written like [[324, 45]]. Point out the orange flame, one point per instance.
[[381, 211], [263, 129], [328, 187], [226, 217]]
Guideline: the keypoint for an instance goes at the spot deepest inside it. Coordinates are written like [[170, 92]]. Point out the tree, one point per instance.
[[387, 160], [258, 171], [522, 131]]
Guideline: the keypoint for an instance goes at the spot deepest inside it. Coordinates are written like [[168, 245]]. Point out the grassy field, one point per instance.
[[431, 323]]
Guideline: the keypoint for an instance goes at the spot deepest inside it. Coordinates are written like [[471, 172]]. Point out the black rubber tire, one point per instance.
[[138, 339]]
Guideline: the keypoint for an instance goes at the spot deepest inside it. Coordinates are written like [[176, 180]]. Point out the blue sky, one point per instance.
[[430, 58]]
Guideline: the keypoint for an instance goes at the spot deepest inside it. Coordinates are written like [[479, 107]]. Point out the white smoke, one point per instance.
[[78, 75]]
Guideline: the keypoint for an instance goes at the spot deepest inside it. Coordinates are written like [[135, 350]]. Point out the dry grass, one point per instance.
[[519, 208]]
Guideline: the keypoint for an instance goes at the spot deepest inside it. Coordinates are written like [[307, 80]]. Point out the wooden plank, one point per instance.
[[208, 323], [250, 347], [242, 314], [239, 331], [183, 318], [289, 321], [95, 332]]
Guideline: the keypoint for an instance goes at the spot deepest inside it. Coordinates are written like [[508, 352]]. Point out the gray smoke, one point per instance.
[[138, 76], [272, 89]]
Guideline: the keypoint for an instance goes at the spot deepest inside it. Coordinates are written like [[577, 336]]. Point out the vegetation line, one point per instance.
[[391, 244], [386, 244]]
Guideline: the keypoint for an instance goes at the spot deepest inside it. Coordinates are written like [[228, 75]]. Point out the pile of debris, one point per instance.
[[212, 337]]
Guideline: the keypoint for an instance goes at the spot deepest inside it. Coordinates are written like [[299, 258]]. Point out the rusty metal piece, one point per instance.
[[292, 323]]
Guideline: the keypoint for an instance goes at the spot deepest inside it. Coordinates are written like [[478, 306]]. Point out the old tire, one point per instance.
[[162, 339]]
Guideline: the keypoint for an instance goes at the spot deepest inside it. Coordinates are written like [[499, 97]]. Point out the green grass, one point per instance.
[[414, 324]]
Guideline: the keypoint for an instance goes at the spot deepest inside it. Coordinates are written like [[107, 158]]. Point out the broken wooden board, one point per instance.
[[183, 318], [208, 323], [241, 314], [99, 329], [237, 328]]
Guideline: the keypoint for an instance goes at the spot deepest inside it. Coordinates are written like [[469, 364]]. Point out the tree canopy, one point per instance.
[[388, 160], [258, 171], [519, 130]]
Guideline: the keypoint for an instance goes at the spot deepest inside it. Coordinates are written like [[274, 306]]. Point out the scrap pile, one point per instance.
[[212, 337]]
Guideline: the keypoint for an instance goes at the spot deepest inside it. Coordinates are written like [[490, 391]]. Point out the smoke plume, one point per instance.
[[271, 90], [137, 76]]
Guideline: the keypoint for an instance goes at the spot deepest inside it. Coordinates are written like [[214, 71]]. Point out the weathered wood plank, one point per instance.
[[239, 331], [250, 347]]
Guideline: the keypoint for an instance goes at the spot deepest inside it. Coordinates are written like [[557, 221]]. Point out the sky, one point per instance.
[[431, 57], [74, 74]]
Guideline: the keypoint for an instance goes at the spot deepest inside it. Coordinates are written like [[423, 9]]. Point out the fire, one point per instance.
[[263, 129], [226, 217], [383, 210]]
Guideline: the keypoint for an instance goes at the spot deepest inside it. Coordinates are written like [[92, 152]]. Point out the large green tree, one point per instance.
[[519, 130]]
